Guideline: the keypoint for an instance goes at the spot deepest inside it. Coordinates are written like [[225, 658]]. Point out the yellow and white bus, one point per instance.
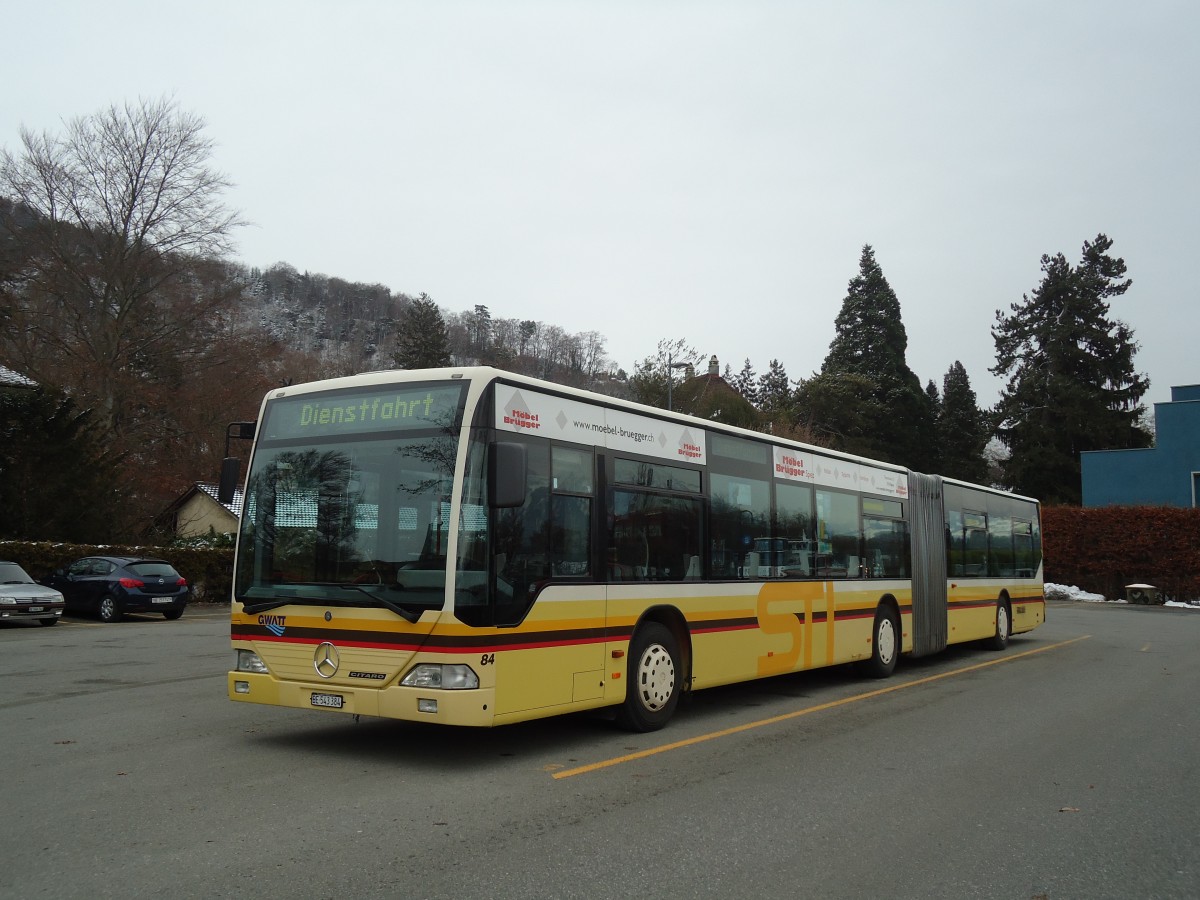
[[473, 547]]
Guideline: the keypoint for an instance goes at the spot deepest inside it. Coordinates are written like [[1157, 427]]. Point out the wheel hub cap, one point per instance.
[[886, 640], [656, 677]]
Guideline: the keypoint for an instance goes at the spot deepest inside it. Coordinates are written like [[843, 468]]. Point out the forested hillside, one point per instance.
[[341, 327]]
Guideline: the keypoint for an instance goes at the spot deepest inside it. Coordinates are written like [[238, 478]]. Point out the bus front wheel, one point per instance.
[[652, 690], [885, 644]]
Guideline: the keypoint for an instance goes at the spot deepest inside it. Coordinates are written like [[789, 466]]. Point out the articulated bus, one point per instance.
[[472, 547]]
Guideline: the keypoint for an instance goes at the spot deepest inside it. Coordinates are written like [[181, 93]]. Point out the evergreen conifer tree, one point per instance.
[[870, 343], [935, 399], [933, 462], [962, 429], [840, 412], [1071, 384], [775, 392], [746, 382], [422, 341], [57, 471]]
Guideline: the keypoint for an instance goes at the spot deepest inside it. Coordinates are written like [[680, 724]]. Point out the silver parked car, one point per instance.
[[23, 598]]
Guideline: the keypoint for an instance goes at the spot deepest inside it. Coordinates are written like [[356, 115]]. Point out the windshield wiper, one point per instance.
[[276, 602], [407, 614], [267, 604]]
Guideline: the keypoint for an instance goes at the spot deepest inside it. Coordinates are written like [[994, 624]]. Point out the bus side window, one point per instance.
[[654, 537], [740, 519], [839, 536], [570, 535], [885, 542], [571, 484], [1023, 559], [975, 544], [1000, 546], [954, 543], [794, 528]]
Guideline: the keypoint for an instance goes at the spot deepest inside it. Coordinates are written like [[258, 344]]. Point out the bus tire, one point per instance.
[[653, 686], [999, 640], [885, 644]]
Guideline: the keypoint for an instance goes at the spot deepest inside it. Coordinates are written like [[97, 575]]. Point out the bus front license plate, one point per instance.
[[330, 701]]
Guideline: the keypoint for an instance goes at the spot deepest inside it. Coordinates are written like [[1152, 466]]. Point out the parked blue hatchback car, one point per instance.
[[110, 586]]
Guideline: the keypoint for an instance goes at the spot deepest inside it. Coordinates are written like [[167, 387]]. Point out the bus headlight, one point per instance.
[[249, 661], [444, 676]]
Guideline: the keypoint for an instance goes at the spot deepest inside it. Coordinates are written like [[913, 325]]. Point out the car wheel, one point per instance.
[[47, 621], [654, 679], [172, 613], [109, 611]]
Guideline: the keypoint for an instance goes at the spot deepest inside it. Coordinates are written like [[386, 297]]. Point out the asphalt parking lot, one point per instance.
[[1057, 768]]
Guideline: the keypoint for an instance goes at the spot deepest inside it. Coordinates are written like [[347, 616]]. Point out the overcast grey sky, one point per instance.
[[705, 170]]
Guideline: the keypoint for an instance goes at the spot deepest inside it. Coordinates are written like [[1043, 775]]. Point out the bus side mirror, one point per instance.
[[243, 431], [506, 475], [230, 466]]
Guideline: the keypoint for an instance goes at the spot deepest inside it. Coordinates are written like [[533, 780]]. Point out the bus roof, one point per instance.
[[480, 376]]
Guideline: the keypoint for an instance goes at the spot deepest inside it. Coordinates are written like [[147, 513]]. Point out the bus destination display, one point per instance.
[[358, 412]]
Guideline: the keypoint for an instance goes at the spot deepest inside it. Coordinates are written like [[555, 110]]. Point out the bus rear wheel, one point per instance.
[[999, 640], [885, 644], [652, 689]]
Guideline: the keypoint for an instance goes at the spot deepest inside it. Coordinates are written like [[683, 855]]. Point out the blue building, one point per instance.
[[1167, 474]]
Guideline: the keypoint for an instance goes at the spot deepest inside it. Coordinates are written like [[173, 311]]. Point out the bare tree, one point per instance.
[[110, 223], [593, 358], [114, 287], [654, 376]]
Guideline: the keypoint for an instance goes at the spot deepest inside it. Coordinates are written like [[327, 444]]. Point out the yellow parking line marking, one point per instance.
[[774, 720]]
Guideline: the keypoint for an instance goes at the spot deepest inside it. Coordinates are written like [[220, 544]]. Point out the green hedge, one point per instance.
[[208, 570], [1102, 550]]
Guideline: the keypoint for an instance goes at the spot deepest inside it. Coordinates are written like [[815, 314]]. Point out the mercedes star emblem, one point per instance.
[[325, 660]]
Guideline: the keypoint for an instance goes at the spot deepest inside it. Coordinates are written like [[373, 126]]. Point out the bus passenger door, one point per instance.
[[557, 616]]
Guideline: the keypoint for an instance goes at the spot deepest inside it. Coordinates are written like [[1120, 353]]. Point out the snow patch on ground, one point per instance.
[[1071, 592]]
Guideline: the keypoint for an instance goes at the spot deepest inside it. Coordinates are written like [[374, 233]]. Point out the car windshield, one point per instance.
[[11, 573], [361, 522]]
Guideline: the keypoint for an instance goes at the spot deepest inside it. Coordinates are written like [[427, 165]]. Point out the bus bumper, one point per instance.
[[464, 707]]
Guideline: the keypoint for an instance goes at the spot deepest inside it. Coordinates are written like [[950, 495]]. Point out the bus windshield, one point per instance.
[[358, 516]]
